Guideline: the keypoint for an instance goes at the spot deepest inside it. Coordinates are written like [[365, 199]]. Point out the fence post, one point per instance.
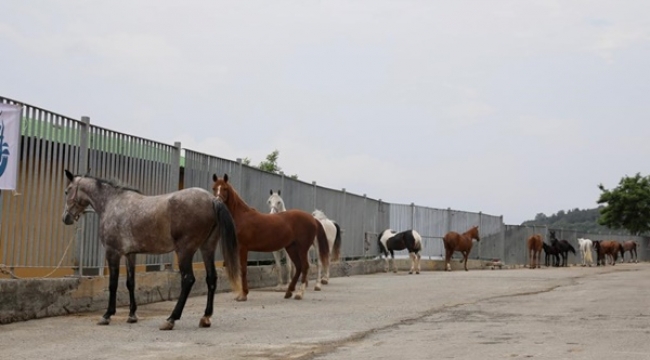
[[363, 228], [175, 182], [480, 226], [314, 192], [503, 240], [82, 168]]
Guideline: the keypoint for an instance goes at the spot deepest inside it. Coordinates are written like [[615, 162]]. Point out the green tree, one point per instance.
[[271, 162], [627, 206]]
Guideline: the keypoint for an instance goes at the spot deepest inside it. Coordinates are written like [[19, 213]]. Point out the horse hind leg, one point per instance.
[[319, 276], [292, 251], [187, 280], [412, 258], [465, 256], [211, 282]]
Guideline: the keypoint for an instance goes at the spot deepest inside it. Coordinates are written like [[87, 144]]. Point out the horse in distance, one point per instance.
[[293, 230], [607, 250], [534, 244], [586, 247], [130, 223], [391, 241], [462, 243], [629, 246], [552, 255], [563, 247]]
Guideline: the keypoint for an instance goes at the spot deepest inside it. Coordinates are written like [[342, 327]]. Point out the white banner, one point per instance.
[[9, 145]]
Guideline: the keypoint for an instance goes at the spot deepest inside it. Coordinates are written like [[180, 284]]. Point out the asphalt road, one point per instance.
[[569, 313]]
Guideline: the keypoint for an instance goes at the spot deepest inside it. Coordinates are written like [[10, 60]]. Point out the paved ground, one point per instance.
[[571, 313]]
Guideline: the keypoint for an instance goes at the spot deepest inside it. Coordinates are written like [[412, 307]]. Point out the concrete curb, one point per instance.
[[26, 299]]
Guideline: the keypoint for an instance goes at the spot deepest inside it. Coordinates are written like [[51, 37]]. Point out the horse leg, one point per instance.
[[412, 258], [304, 279], [417, 269], [211, 281], [113, 259], [243, 264], [392, 259], [292, 251], [187, 280], [319, 266], [448, 254], [386, 264], [465, 256], [130, 284], [277, 256], [539, 257]]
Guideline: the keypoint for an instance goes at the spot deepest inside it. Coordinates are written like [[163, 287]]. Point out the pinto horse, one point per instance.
[[631, 247], [586, 246], [391, 241], [534, 243], [293, 230], [130, 223], [563, 247], [454, 241], [605, 249]]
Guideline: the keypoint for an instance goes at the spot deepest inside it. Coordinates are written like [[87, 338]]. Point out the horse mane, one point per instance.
[[112, 183]]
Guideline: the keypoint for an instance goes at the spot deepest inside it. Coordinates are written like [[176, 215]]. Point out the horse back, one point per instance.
[[457, 242], [271, 232]]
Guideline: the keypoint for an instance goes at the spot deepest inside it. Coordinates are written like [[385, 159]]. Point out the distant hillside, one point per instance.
[[582, 220]]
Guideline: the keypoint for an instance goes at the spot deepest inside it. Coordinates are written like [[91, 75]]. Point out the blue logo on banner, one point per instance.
[[4, 159]]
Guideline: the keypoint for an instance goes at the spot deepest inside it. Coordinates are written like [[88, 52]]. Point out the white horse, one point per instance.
[[586, 246], [332, 230]]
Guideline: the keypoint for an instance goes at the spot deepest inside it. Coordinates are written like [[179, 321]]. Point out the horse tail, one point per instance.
[[323, 245], [587, 253], [336, 249], [382, 248], [229, 244], [417, 244]]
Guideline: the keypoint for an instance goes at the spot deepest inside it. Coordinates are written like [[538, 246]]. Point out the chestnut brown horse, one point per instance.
[[535, 243], [454, 241], [607, 248], [631, 247], [293, 230]]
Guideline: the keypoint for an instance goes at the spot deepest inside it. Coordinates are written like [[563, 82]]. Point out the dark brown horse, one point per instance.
[[459, 242], [130, 223], [534, 243], [607, 248], [631, 247], [293, 230]]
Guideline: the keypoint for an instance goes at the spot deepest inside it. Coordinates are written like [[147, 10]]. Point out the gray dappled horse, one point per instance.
[[130, 223]]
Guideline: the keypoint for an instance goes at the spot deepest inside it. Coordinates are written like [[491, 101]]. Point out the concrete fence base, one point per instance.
[[26, 299]]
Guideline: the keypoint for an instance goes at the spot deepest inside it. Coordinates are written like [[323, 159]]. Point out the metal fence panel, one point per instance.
[[31, 231]]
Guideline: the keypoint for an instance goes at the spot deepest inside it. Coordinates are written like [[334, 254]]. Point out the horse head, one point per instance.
[[473, 233], [76, 199], [276, 204], [221, 189]]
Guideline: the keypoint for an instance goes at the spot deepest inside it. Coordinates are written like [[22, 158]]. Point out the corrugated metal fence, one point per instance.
[[34, 240]]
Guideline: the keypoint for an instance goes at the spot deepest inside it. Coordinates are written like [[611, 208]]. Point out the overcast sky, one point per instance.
[[507, 107]]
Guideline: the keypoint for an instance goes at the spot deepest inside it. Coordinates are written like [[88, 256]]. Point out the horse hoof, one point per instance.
[[132, 319], [280, 288], [167, 325], [241, 298], [287, 295], [417, 273], [410, 272], [205, 322], [298, 297], [317, 287], [324, 281], [104, 321]]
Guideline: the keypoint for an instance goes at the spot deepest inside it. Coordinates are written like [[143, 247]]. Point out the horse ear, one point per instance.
[[279, 192], [69, 175], [214, 177], [271, 192], [225, 177]]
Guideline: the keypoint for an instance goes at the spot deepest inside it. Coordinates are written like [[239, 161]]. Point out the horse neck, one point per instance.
[[98, 194], [471, 233], [236, 204]]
